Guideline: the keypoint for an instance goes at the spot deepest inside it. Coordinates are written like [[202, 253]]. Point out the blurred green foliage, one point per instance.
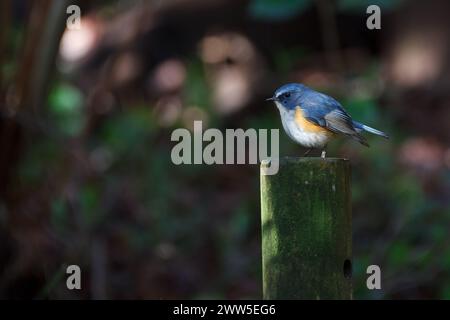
[[66, 105], [277, 10], [402, 230], [194, 231]]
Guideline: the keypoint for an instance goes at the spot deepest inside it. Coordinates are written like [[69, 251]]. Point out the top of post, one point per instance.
[[296, 160]]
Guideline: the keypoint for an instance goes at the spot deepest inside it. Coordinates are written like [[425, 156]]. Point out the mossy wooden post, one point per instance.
[[306, 229]]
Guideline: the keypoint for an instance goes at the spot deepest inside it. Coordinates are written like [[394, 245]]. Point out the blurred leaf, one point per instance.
[[398, 254], [197, 90], [65, 99], [409, 194], [277, 9], [438, 232], [66, 103], [128, 131]]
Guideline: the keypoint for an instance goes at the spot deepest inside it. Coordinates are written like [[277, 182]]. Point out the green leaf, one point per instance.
[[65, 99], [66, 104]]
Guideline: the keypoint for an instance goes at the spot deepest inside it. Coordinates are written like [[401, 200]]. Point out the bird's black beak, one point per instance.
[[271, 99]]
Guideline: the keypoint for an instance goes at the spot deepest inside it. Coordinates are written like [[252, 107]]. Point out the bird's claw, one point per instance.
[[307, 152]]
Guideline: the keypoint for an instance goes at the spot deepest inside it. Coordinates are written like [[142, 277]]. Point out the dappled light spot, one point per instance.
[[220, 48], [126, 68], [213, 49], [168, 110], [101, 159], [417, 59], [194, 113], [233, 65], [165, 250], [317, 78], [231, 89], [422, 154], [168, 76], [76, 44]]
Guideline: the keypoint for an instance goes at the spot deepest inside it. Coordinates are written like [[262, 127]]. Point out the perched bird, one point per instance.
[[312, 119]]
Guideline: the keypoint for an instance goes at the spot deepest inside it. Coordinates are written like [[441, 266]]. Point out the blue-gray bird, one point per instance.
[[311, 118]]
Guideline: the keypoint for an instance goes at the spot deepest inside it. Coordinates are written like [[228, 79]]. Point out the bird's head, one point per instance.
[[287, 96]]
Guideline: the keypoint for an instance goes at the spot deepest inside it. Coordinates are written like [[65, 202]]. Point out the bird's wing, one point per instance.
[[328, 113]]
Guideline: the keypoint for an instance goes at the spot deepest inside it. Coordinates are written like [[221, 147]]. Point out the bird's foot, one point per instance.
[[307, 152], [324, 153]]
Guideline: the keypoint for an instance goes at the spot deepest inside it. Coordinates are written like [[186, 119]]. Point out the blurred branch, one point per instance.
[[330, 36], [10, 132], [27, 61], [43, 32], [47, 51]]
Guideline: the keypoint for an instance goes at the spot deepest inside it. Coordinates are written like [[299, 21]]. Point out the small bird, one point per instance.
[[312, 119]]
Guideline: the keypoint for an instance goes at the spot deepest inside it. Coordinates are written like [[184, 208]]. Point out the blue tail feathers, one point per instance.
[[362, 127]]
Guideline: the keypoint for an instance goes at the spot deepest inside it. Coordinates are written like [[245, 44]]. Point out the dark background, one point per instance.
[[85, 123]]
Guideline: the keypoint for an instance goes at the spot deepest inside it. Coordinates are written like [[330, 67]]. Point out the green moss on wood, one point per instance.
[[306, 229]]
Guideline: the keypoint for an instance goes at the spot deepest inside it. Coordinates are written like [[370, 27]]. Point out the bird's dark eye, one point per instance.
[[287, 95]]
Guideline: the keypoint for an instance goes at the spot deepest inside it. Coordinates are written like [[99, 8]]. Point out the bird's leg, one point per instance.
[[324, 152], [307, 152]]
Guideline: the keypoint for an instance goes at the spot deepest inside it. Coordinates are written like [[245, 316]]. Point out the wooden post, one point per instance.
[[306, 229]]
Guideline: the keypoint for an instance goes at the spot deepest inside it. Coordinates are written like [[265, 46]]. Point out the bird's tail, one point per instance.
[[362, 127]]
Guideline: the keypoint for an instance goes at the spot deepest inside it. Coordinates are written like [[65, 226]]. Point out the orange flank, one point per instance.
[[306, 125]]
